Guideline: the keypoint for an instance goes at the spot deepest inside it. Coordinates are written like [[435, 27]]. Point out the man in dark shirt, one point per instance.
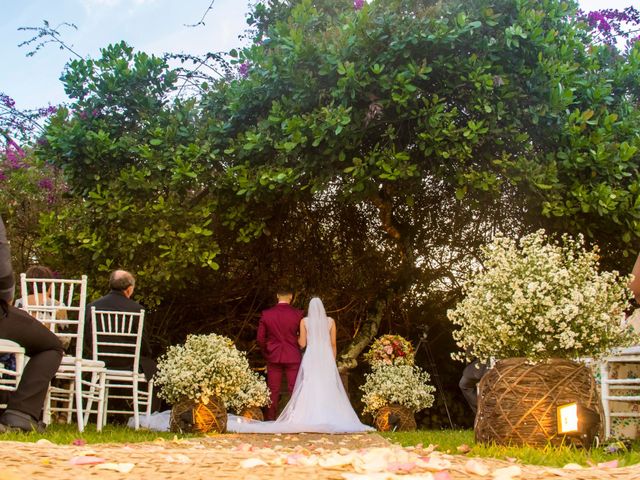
[[122, 284], [24, 405]]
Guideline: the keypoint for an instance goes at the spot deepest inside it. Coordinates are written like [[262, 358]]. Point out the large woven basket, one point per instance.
[[253, 413], [188, 416], [518, 401], [395, 417]]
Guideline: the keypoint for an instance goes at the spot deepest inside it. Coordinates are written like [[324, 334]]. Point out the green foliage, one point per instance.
[[367, 154], [134, 158]]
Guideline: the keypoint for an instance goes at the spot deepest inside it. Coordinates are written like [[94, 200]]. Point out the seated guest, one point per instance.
[[24, 405], [40, 298], [122, 284]]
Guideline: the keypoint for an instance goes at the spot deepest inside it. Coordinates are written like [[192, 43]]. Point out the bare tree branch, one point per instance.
[[201, 22]]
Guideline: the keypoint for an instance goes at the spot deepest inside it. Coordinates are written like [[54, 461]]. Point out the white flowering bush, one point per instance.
[[206, 366], [406, 385], [254, 393], [537, 298]]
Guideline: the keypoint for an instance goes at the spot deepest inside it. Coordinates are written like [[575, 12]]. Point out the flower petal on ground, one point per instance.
[[252, 462], [507, 473], [476, 467], [117, 467], [464, 448], [611, 464]]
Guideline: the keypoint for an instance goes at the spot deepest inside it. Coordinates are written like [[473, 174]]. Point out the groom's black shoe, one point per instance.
[[15, 420]]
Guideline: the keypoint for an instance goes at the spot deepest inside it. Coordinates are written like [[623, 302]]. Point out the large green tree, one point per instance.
[[362, 153]]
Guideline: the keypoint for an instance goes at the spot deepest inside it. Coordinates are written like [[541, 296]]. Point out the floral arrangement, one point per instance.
[[206, 366], [390, 350], [394, 378], [406, 385], [254, 393], [539, 298]]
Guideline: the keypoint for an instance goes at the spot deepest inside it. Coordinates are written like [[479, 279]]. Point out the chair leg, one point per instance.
[[78, 398], [149, 398], [46, 413], [100, 416], [604, 392], [105, 408], [90, 395], [136, 405]]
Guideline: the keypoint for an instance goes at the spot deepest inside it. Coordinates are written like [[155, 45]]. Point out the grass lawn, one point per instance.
[[66, 434], [450, 440]]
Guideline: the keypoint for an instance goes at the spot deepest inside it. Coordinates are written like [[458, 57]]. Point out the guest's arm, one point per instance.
[[635, 283], [332, 333], [7, 283]]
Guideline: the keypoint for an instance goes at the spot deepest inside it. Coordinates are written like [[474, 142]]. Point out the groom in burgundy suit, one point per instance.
[[278, 341]]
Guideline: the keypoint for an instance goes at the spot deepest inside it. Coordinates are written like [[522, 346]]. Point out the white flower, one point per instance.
[[405, 385], [539, 299], [206, 366]]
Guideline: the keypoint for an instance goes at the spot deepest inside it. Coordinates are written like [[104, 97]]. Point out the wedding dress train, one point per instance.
[[319, 402]]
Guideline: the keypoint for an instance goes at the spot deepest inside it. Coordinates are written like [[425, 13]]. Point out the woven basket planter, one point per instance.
[[188, 416], [518, 400], [395, 417], [253, 413]]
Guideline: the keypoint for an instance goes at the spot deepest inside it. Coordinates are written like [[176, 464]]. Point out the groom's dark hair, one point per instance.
[[284, 290]]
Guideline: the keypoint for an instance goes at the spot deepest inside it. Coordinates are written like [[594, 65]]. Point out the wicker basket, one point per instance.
[[188, 416], [518, 400], [253, 413], [395, 417]]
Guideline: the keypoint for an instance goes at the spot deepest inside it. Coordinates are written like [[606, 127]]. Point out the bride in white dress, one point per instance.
[[319, 402]]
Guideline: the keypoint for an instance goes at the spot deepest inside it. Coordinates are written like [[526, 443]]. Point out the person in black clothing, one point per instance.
[[122, 284], [24, 405], [471, 376]]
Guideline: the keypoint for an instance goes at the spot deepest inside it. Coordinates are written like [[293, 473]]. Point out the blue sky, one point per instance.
[[153, 26]]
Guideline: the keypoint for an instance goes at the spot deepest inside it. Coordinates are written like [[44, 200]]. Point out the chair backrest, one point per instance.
[[59, 303], [117, 335]]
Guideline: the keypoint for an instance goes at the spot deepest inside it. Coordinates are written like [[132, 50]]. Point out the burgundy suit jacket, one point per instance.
[[278, 334]]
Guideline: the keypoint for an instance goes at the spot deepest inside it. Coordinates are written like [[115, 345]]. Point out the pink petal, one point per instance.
[[441, 475], [398, 467], [611, 464]]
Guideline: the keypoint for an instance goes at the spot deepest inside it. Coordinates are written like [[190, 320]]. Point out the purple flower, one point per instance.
[[45, 112], [3, 176], [243, 69], [358, 4], [16, 147], [46, 184], [7, 101]]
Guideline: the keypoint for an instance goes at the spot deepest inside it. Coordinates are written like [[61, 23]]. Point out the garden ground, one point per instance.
[[238, 456]]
